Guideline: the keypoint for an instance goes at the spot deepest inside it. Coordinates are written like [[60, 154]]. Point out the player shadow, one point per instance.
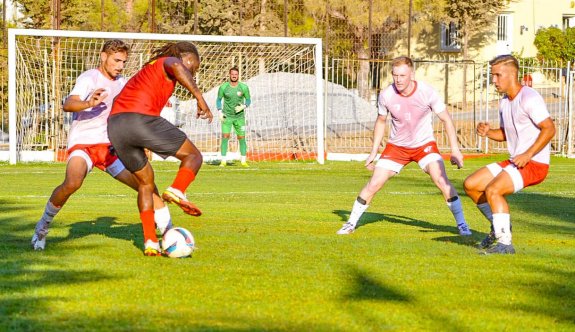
[[364, 287], [424, 226], [106, 226]]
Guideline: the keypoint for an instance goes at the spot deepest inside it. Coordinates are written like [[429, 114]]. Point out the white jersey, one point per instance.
[[90, 126], [519, 118], [411, 125]]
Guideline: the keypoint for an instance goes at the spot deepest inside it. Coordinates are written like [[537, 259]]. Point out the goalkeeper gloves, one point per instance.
[[222, 115], [240, 108]]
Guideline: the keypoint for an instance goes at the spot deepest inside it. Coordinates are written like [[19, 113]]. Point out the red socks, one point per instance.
[[148, 225], [183, 179]]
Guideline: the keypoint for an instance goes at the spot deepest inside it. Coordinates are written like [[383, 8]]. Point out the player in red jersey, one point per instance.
[[525, 124], [90, 101], [411, 104], [135, 124]]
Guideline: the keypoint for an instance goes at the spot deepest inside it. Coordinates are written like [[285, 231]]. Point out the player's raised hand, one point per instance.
[[456, 158], [97, 97], [483, 128]]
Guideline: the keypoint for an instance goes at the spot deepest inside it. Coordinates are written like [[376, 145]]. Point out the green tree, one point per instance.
[[554, 44], [119, 15], [471, 17]]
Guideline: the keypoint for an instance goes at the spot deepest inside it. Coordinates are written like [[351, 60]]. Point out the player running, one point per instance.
[[236, 96], [525, 124], [410, 104], [135, 124], [88, 145]]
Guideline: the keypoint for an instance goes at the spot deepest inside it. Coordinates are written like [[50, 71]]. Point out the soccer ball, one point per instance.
[[178, 242]]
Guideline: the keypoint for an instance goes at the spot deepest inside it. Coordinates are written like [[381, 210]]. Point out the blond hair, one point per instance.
[[402, 60]]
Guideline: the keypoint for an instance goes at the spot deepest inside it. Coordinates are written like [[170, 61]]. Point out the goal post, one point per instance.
[[284, 122]]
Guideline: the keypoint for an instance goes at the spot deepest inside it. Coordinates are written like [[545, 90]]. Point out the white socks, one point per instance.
[[163, 219], [356, 212], [502, 227], [50, 211], [243, 159]]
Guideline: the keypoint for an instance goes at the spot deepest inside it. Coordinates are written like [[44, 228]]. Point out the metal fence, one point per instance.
[[466, 89], [352, 87]]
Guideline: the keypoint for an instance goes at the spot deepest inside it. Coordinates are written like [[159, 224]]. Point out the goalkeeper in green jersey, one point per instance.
[[236, 97]]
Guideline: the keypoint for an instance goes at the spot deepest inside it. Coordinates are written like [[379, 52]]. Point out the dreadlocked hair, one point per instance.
[[176, 50]]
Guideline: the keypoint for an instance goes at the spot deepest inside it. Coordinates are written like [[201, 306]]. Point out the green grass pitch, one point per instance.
[[269, 258]]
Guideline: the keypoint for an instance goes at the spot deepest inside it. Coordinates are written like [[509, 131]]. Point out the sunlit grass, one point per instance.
[[269, 258]]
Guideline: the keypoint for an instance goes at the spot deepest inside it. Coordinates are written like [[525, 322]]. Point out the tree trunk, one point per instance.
[[465, 57], [363, 74]]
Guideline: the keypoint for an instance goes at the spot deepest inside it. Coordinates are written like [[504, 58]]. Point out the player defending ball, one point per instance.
[[525, 124], [88, 145], [236, 96], [411, 104]]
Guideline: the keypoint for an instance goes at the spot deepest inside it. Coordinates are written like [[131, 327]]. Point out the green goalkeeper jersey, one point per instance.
[[233, 97]]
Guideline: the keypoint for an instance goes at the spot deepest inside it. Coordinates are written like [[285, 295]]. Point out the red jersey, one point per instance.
[[147, 92]]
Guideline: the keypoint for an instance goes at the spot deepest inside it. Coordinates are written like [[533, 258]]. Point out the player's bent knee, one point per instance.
[[71, 186], [493, 191]]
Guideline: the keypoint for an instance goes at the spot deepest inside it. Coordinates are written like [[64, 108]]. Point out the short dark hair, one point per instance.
[[114, 46], [234, 68], [506, 59]]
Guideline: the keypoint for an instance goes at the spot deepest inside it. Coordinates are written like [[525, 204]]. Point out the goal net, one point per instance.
[[284, 120]]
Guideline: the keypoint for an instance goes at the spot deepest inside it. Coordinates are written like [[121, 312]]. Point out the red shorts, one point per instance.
[[395, 157], [530, 175], [99, 155]]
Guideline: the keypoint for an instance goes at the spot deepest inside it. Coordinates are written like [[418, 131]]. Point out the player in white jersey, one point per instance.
[[88, 145], [411, 104], [525, 124]]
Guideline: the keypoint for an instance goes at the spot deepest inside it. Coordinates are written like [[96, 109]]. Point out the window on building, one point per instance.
[[450, 37], [568, 21], [503, 27]]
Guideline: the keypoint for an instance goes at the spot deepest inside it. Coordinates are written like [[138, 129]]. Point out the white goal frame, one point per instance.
[[15, 156]]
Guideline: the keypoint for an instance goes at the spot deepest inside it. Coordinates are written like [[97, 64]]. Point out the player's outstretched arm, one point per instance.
[[456, 155], [176, 69], [75, 104]]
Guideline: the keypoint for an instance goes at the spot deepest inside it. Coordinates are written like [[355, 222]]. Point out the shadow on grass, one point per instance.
[[557, 296], [106, 226], [23, 274], [365, 287], [425, 226], [541, 206]]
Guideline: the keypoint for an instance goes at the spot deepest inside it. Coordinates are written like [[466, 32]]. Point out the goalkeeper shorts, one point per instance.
[[238, 124]]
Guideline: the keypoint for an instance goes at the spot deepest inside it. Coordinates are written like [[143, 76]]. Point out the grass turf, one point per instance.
[[269, 258]]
